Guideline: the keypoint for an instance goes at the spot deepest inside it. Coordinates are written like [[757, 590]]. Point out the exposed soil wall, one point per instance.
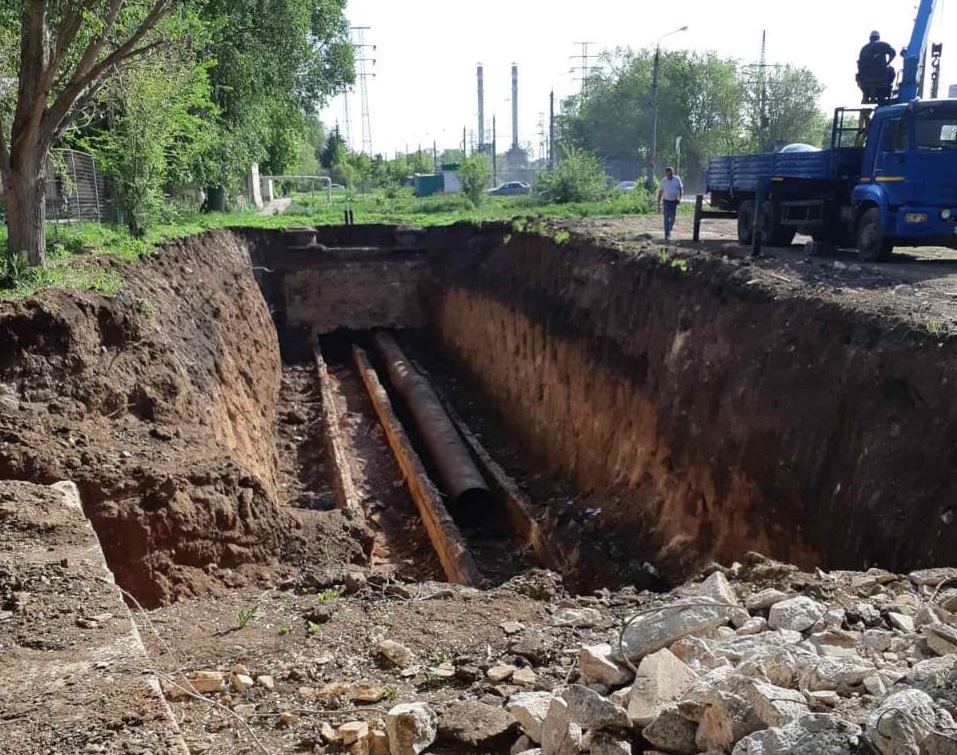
[[705, 416], [160, 403]]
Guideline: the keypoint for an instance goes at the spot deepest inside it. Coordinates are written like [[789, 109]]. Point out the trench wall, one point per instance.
[[705, 417], [160, 403]]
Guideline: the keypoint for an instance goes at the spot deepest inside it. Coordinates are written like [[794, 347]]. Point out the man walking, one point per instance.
[[669, 197]]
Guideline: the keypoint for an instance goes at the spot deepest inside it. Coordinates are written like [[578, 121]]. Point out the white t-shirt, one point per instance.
[[671, 189]]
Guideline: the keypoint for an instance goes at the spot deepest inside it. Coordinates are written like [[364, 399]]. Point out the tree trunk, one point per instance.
[[24, 189]]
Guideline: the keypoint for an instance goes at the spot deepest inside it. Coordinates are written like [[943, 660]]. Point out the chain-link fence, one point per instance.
[[76, 188]]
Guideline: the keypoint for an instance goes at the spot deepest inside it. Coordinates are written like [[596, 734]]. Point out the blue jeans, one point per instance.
[[670, 212]]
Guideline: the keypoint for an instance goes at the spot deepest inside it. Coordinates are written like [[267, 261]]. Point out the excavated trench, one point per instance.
[[229, 418]]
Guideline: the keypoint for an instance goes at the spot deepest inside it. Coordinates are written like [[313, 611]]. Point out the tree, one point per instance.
[[579, 177], [792, 109], [67, 52], [156, 122], [707, 100], [474, 174], [335, 150], [276, 63]]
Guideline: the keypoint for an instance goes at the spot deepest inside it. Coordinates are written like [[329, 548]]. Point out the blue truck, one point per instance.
[[889, 178]]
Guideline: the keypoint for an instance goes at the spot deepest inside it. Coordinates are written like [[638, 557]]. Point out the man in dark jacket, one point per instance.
[[875, 75]]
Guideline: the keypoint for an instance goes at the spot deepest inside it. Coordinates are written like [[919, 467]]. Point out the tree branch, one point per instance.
[[85, 80], [70, 26], [86, 97], [93, 50]]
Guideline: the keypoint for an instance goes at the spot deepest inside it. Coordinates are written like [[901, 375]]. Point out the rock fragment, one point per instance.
[[597, 665], [590, 710], [560, 735], [411, 728], [397, 654], [654, 632], [812, 734], [797, 614], [662, 678], [904, 720], [530, 710]]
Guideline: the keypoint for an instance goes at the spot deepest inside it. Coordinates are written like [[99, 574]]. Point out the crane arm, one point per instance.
[[912, 75]]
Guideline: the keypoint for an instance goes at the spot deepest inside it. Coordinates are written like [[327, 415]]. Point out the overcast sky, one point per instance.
[[427, 51]]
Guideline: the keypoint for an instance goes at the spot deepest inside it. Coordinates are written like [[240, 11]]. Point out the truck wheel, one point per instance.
[[746, 222], [772, 232], [872, 246]]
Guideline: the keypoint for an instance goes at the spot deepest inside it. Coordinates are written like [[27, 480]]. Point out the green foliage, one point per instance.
[[276, 63], [664, 256], [579, 177], [247, 614], [284, 630], [391, 693], [313, 629], [711, 102], [154, 128], [474, 174], [333, 593]]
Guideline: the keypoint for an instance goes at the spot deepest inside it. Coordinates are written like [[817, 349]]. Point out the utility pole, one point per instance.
[[655, 82], [363, 76], [465, 141], [347, 118], [551, 130], [542, 138]]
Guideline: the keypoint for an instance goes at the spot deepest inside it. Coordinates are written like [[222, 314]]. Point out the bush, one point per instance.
[[474, 174], [580, 177]]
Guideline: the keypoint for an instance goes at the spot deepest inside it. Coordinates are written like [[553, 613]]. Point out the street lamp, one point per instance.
[[655, 78]]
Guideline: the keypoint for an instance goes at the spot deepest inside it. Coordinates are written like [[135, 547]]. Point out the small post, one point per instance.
[[698, 206], [756, 239]]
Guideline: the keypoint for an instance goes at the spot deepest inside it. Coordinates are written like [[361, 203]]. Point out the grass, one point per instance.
[[72, 250]]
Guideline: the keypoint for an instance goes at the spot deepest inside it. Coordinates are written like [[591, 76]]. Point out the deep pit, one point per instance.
[[655, 417]]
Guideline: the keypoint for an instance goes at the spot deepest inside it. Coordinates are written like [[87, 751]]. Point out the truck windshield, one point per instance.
[[937, 133]]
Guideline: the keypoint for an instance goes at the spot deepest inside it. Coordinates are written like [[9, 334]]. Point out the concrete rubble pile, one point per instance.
[[751, 660], [860, 663]]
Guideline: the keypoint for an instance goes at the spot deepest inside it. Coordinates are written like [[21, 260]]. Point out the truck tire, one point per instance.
[[872, 246], [772, 232], [746, 222]]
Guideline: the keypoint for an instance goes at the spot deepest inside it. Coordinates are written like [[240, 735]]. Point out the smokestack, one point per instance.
[[514, 106], [481, 106]]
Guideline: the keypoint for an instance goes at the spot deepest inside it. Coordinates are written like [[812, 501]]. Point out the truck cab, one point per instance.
[[907, 191]]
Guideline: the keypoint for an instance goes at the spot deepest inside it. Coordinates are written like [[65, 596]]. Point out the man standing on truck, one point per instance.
[[669, 197], [875, 75]]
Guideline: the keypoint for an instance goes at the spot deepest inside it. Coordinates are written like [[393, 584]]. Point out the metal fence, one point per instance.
[[76, 188]]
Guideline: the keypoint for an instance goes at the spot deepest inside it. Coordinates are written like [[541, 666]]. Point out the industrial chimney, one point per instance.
[[481, 107], [514, 106]]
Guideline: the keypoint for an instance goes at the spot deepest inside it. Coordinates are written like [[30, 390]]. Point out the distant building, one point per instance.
[[952, 93]]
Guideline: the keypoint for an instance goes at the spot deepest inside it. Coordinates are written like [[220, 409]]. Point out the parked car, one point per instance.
[[510, 189], [627, 185], [337, 187]]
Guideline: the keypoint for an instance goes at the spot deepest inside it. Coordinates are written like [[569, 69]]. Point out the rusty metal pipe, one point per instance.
[[460, 477]]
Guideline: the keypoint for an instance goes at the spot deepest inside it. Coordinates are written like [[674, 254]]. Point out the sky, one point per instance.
[[426, 52]]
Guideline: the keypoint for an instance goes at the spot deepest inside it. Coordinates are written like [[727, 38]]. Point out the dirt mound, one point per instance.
[[160, 403]]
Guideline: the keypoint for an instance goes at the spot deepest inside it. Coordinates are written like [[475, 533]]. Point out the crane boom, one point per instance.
[[912, 74]]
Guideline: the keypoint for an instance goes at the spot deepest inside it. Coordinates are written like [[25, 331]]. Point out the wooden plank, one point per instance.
[[457, 561], [340, 474]]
